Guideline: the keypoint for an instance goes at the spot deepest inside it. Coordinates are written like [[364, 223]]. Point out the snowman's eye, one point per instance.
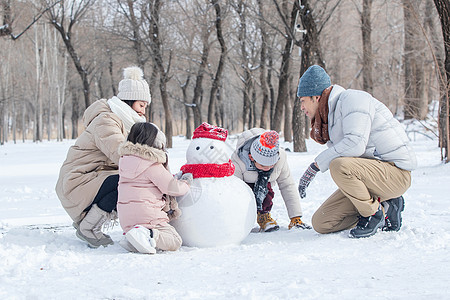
[[197, 148], [211, 147]]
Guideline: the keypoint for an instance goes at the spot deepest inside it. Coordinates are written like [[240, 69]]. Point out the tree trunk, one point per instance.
[[413, 64], [271, 89], [283, 86], [163, 73], [6, 29], [246, 77], [37, 103], [366, 30], [215, 89], [137, 41], [288, 111], [264, 121], [61, 100], [187, 108], [75, 114], [198, 89], [443, 8], [58, 22], [111, 73], [311, 54], [298, 121]]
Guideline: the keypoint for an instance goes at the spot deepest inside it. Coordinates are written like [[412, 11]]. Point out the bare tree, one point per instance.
[[197, 97], [153, 17], [7, 28], [413, 64], [187, 108], [246, 78], [134, 13], [311, 54], [264, 121], [40, 65], [443, 8], [215, 88], [289, 21], [366, 30], [64, 17]]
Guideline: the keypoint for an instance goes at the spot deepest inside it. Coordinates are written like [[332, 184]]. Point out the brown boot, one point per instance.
[[266, 223], [90, 228]]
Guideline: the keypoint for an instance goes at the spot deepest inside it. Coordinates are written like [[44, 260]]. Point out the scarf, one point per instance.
[[209, 170], [319, 123], [260, 188], [128, 115]]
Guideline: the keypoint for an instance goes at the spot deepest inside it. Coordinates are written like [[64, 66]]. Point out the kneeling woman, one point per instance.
[[88, 179]]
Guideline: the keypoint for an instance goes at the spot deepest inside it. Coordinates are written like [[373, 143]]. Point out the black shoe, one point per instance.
[[368, 226], [394, 214]]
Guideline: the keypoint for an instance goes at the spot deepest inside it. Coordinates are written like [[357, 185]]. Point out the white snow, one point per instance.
[[41, 258]]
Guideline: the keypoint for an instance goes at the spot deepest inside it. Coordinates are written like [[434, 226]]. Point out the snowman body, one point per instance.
[[219, 210]]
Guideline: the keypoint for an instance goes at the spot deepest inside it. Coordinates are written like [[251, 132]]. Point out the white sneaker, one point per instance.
[[142, 239], [125, 244]]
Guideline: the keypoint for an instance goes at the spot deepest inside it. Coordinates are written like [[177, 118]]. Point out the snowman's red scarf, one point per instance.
[[209, 170]]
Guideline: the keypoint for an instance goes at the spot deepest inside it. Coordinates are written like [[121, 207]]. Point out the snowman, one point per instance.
[[220, 209]]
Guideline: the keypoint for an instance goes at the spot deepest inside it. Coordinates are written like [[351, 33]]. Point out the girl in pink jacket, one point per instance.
[[146, 189]]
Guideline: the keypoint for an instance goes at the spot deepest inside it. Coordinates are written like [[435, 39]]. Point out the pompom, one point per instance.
[[269, 139], [134, 73]]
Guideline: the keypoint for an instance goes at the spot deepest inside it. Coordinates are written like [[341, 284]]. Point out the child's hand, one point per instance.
[[188, 178], [178, 175]]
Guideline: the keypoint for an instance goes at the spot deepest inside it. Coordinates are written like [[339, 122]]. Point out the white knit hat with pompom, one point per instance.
[[133, 85]]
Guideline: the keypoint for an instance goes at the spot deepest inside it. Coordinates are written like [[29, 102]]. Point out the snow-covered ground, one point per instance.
[[41, 258]]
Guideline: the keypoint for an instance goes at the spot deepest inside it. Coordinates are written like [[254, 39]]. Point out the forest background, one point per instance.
[[231, 63]]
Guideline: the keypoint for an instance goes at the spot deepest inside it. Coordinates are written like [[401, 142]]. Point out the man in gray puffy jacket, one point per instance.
[[368, 155]]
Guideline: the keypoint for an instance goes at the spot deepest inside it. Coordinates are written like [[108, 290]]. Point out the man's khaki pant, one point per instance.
[[362, 183]]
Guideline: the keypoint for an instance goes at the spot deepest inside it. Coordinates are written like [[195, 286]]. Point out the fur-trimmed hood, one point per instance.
[[143, 151], [136, 158]]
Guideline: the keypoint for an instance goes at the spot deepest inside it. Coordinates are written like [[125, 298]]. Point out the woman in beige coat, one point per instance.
[[88, 179]]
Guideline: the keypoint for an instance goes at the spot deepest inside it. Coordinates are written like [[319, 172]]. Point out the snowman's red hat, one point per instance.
[[209, 131]]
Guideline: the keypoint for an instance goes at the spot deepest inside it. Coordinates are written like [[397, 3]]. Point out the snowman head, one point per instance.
[[208, 146]]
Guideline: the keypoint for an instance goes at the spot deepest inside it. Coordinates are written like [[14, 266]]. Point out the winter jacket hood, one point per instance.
[[145, 152]]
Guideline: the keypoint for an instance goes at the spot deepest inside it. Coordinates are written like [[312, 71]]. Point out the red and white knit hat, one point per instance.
[[209, 131], [265, 149]]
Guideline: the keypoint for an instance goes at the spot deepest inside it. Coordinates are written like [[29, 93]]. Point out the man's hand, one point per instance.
[[306, 179]]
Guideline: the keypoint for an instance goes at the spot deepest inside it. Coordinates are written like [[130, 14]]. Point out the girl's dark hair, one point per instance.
[[145, 133], [129, 102]]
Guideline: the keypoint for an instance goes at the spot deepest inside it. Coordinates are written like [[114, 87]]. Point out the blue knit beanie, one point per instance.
[[313, 82]]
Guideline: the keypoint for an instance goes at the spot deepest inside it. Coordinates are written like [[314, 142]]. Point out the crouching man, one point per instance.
[[368, 155]]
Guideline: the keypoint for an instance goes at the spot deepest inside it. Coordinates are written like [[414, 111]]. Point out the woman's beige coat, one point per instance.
[[281, 173], [92, 158]]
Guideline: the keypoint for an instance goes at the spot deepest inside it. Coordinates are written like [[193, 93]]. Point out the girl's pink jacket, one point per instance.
[[142, 182]]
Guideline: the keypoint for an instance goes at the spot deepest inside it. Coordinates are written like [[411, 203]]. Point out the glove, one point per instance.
[[306, 179], [178, 175], [188, 178], [298, 223]]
